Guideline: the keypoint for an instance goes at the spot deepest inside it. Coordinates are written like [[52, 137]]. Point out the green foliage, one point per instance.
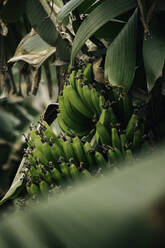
[[118, 210], [116, 134]]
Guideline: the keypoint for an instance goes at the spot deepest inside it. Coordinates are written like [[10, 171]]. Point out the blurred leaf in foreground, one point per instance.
[[117, 210]]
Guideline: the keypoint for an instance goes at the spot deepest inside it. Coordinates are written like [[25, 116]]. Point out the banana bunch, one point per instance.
[[118, 144], [80, 104], [101, 128], [53, 162]]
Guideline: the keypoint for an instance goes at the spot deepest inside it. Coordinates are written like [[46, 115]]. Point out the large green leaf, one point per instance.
[[42, 20], [121, 56], [70, 6], [118, 211], [103, 13], [154, 53]]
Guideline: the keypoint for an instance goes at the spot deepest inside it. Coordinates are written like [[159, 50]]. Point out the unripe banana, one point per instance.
[[101, 102], [79, 86], [63, 125], [72, 79], [87, 98], [111, 156], [105, 118], [57, 152], [95, 100], [129, 156], [73, 171], [79, 150], [89, 155], [31, 160], [85, 174], [108, 117], [77, 103], [77, 127], [48, 133], [118, 154], [44, 187], [39, 156], [70, 108], [47, 177], [115, 139], [124, 144], [36, 172], [47, 151], [100, 160], [103, 134], [65, 171], [32, 189], [68, 150], [88, 73], [56, 175], [35, 140], [132, 124]]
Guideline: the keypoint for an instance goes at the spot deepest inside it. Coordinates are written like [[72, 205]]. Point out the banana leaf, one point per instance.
[[118, 210]]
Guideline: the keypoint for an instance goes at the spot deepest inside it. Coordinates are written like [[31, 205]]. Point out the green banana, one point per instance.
[[31, 160], [39, 156], [85, 173], [88, 73], [32, 189], [118, 154], [100, 160], [77, 103], [57, 152], [123, 141], [70, 108], [89, 154], [132, 124], [111, 156], [47, 177], [35, 140], [73, 171], [105, 118], [79, 86], [56, 175], [108, 117], [44, 187], [87, 98], [68, 150], [65, 171], [47, 151], [101, 102], [79, 150], [72, 79], [63, 125], [48, 133], [77, 127], [102, 134], [36, 172], [115, 138], [95, 100], [129, 156]]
